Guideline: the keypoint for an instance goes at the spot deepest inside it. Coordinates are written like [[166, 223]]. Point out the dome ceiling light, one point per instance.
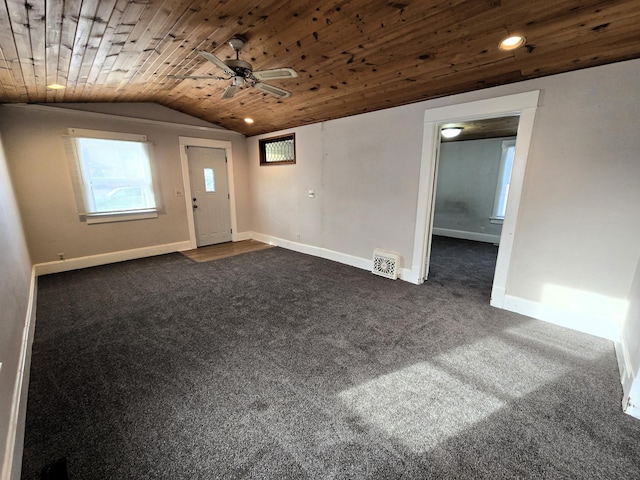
[[451, 132]]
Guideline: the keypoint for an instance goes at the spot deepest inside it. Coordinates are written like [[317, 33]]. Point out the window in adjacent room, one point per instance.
[[278, 150], [504, 179], [112, 176]]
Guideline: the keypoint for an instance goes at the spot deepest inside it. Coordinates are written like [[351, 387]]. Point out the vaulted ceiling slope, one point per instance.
[[351, 56]]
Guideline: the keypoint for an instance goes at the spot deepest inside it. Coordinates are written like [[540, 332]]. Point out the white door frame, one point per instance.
[[522, 104], [184, 162]]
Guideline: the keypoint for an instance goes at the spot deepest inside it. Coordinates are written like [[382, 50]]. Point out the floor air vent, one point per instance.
[[385, 264]]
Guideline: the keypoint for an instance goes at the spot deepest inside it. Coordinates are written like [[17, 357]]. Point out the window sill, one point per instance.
[[93, 218], [496, 220]]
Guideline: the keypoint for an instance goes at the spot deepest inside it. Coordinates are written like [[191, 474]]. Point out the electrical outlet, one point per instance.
[[61, 256], [298, 236]]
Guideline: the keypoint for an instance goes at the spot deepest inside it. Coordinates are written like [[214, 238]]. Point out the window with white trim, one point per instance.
[[504, 180], [112, 177]]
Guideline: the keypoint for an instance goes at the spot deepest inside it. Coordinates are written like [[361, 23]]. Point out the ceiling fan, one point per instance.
[[241, 73]]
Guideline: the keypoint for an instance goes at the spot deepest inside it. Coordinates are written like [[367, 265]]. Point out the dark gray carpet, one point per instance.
[[278, 365]]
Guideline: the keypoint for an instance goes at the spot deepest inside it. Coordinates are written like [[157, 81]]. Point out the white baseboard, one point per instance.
[[15, 435], [111, 257], [478, 237], [631, 403], [625, 368], [497, 296], [599, 327], [411, 276], [240, 236], [358, 262], [629, 379]]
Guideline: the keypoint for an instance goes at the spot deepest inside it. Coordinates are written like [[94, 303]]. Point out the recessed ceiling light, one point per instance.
[[512, 42], [248, 120], [56, 86], [451, 132]]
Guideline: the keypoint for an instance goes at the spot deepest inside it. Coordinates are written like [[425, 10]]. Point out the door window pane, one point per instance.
[[209, 180]]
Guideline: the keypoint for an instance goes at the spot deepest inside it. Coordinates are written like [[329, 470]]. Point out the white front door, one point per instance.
[[209, 195]]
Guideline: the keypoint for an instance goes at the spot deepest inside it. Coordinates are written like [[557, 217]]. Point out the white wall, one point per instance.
[[466, 189], [288, 212], [40, 170], [143, 110], [357, 167], [574, 249], [15, 282]]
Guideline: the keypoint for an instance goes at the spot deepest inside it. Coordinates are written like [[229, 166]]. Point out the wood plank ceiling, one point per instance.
[[352, 56]]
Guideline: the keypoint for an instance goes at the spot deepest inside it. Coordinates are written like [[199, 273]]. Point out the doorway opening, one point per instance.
[[473, 172], [523, 105]]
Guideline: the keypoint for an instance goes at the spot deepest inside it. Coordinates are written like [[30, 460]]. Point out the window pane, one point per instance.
[[504, 181], [209, 182], [115, 175]]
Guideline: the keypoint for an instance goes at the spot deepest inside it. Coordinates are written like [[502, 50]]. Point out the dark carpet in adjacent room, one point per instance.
[[278, 365]]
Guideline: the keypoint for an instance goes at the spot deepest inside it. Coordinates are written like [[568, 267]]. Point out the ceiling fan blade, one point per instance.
[[195, 77], [229, 92], [217, 62], [275, 91], [276, 73]]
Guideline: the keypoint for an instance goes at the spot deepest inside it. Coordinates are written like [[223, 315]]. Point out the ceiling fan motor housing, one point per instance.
[[240, 67]]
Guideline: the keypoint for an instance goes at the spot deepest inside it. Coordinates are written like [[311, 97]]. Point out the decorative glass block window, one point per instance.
[[278, 150], [209, 180]]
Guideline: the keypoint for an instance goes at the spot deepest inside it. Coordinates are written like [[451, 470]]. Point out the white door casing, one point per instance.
[[522, 104], [184, 142], [210, 195]]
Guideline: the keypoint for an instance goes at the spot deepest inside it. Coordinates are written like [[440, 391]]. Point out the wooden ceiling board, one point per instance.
[[20, 42], [53, 31], [69, 24], [98, 34], [352, 56], [191, 33], [486, 128]]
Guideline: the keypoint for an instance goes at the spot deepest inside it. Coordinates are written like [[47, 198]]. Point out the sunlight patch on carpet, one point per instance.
[[426, 403], [502, 368], [421, 405]]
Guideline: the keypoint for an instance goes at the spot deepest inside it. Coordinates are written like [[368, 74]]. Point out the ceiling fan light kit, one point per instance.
[[241, 73]]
